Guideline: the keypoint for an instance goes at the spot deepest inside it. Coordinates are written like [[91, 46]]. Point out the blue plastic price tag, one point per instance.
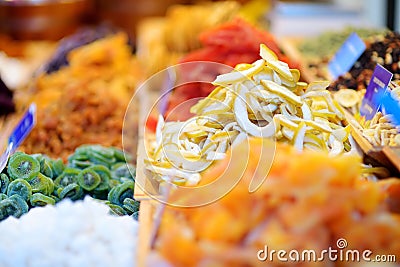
[[376, 88], [20, 132], [346, 56], [24, 127]]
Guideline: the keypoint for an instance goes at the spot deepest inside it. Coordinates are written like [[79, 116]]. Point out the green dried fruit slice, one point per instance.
[[100, 159], [131, 205], [114, 182], [22, 166], [41, 184], [117, 210], [121, 169], [4, 182], [40, 200], [105, 176], [13, 206], [119, 155], [120, 192], [88, 179], [80, 164], [67, 177], [46, 168], [72, 191], [20, 187], [58, 167]]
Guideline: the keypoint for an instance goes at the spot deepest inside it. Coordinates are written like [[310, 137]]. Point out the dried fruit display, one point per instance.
[[230, 43], [385, 52], [84, 102], [36, 180], [304, 204], [262, 99]]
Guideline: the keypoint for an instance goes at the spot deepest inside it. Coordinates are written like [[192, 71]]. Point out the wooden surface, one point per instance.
[[146, 216]]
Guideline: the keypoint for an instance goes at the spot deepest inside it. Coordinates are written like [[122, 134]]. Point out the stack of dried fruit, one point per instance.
[[263, 99], [385, 52], [305, 204], [230, 44], [85, 102], [37, 180]]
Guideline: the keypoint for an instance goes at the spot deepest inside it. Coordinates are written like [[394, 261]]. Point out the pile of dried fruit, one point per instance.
[[37, 180], [380, 130], [85, 102], [230, 43], [262, 99], [385, 52], [305, 204]]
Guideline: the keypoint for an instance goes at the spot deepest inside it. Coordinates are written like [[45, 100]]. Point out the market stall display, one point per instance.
[[385, 52], [263, 99], [266, 153], [31, 181], [84, 102], [305, 204]]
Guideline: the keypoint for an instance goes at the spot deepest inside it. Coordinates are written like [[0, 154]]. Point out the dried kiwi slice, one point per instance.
[[67, 177], [80, 164], [113, 182], [3, 196], [119, 155], [40, 200], [22, 166], [116, 210], [4, 182], [123, 169], [131, 205], [58, 167], [72, 191], [99, 159], [105, 176], [41, 184], [120, 192], [88, 179], [20, 187], [46, 168], [13, 206]]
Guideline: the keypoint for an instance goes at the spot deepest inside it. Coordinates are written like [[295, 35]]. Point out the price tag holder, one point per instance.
[[376, 90], [346, 56], [20, 132]]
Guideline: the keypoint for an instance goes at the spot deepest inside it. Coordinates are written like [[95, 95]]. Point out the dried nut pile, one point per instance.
[[385, 52], [262, 99]]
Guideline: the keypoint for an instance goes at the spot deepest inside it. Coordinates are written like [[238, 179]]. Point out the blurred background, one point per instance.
[[53, 19]]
